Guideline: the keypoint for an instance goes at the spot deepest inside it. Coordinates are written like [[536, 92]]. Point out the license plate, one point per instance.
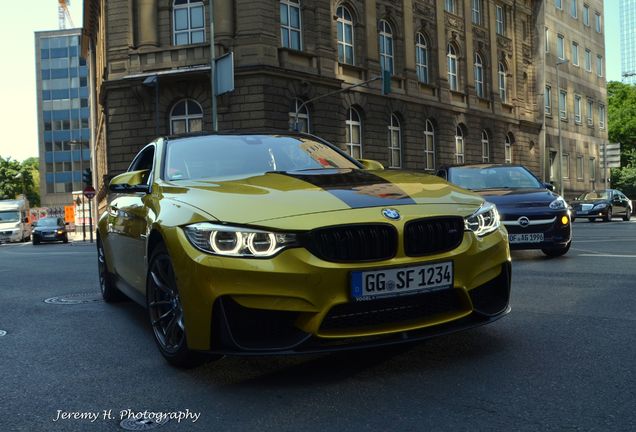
[[370, 285], [525, 238]]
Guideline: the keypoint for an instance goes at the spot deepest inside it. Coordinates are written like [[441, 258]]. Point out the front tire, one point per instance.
[[592, 219], [557, 252], [110, 293], [608, 216], [166, 312], [628, 215]]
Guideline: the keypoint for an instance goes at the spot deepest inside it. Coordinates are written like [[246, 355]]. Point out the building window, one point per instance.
[[577, 109], [508, 149], [560, 47], [601, 116], [395, 143], [386, 46], [479, 76], [575, 53], [563, 113], [590, 112], [579, 167], [450, 6], [485, 147], [548, 100], [451, 60], [502, 83], [353, 134], [345, 35], [573, 8], [186, 116], [588, 60], [586, 15], [592, 169], [429, 146], [290, 24], [304, 121], [188, 18], [421, 58], [565, 160], [597, 21], [459, 145], [558, 4], [501, 22], [476, 12], [599, 65]]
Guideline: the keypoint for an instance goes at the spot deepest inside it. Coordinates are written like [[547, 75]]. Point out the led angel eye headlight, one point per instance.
[[483, 221], [226, 242]]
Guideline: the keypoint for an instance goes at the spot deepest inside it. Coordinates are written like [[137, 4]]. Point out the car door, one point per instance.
[[128, 217], [618, 204]]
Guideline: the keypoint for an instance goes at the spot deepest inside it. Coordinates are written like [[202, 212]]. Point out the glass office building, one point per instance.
[[628, 40], [63, 115]]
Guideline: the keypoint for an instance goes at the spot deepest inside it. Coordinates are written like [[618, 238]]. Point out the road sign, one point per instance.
[[610, 154], [89, 192]]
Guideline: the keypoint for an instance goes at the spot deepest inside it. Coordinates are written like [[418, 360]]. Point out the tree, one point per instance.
[[19, 178], [621, 100]]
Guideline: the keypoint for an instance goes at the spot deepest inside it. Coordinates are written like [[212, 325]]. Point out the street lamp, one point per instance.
[[556, 66]]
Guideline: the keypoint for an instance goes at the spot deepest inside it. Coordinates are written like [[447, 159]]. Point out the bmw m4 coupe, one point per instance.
[[282, 244]]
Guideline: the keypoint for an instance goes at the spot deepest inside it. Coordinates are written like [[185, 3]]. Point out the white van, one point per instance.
[[14, 221]]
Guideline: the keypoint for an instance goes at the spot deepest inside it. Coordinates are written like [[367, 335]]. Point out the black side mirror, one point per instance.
[[549, 186]]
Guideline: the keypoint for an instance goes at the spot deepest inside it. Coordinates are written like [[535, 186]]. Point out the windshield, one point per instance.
[[48, 222], [496, 177], [9, 216], [243, 156], [594, 195]]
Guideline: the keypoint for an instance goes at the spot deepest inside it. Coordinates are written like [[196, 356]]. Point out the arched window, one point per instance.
[[345, 35], [188, 22], [304, 122], [502, 82], [479, 76], [290, 24], [451, 60], [186, 116], [429, 146], [508, 149], [354, 134], [395, 143], [459, 145], [485, 147], [421, 58], [385, 35]]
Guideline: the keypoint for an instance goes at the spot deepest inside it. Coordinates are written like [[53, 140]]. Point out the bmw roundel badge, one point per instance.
[[390, 213]]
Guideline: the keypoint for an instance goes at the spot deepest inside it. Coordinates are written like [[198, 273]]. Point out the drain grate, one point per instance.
[[142, 424], [3, 333], [72, 299]]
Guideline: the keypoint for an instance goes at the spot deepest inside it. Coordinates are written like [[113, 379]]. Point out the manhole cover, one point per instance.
[[71, 299], [142, 424], [3, 333]]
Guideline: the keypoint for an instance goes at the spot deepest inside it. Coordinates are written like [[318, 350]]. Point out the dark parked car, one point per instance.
[[536, 217], [49, 229], [604, 204]]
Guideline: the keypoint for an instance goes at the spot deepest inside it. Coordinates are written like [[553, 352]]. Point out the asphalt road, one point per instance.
[[564, 359]]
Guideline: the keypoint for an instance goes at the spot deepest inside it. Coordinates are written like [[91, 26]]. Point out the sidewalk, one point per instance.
[[78, 237]]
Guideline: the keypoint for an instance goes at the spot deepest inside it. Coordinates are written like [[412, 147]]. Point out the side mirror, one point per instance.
[[130, 182], [549, 186], [371, 165]]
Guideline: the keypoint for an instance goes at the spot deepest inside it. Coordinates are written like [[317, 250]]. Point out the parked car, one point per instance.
[[257, 243], [49, 229], [604, 204], [535, 216]]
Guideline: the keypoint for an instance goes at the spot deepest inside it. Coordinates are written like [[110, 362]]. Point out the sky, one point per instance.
[[18, 22]]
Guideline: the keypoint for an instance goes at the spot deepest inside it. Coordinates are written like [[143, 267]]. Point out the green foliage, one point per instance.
[[621, 100], [17, 178]]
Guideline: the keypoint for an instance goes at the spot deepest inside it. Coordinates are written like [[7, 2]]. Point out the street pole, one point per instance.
[[81, 163], [565, 102], [215, 124]]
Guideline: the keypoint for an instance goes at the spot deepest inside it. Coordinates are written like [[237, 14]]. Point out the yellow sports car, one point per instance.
[[281, 243]]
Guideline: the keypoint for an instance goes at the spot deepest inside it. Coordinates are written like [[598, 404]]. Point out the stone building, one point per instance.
[[467, 76]]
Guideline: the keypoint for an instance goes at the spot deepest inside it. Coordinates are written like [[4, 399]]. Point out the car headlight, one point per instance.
[[558, 204], [238, 241], [483, 221], [600, 206]]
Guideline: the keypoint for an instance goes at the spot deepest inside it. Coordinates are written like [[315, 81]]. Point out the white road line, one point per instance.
[[607, 256], [604, 240]]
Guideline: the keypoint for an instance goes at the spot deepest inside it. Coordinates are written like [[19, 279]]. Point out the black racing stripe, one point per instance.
[[356, 188]]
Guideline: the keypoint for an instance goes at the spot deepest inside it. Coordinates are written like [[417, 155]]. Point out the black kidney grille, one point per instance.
[[433, 235], [353, 243]]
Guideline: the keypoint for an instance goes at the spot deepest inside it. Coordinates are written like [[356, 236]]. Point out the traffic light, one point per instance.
[[87, 177]]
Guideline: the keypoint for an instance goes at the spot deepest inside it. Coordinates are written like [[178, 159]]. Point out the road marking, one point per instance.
[[622, 239], [607, 256]]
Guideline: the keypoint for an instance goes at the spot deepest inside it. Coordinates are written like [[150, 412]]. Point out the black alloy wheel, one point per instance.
[[628, 214], [110, 293], [166, 312], [557, 252], [608, 216]]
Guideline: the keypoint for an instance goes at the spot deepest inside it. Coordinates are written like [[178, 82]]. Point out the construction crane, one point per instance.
[[63, 14]]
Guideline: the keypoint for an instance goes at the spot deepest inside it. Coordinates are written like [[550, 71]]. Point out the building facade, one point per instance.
[[63, 115], [575, 106], [467, 76], [627, 9]]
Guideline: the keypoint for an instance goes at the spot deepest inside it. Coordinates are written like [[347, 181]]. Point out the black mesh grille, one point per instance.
[[364, 314], [434, 235], [353, 243]]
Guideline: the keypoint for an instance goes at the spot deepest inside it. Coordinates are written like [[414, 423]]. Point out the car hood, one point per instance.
[[277, 195], [519, 197], [590, 201]]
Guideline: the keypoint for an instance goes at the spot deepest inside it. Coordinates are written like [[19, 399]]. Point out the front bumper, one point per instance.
[[49, 237], [297, 303], [10, 236], [556, 234]]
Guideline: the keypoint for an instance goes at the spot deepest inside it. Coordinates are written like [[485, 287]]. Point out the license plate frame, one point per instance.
[[526, 238]]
